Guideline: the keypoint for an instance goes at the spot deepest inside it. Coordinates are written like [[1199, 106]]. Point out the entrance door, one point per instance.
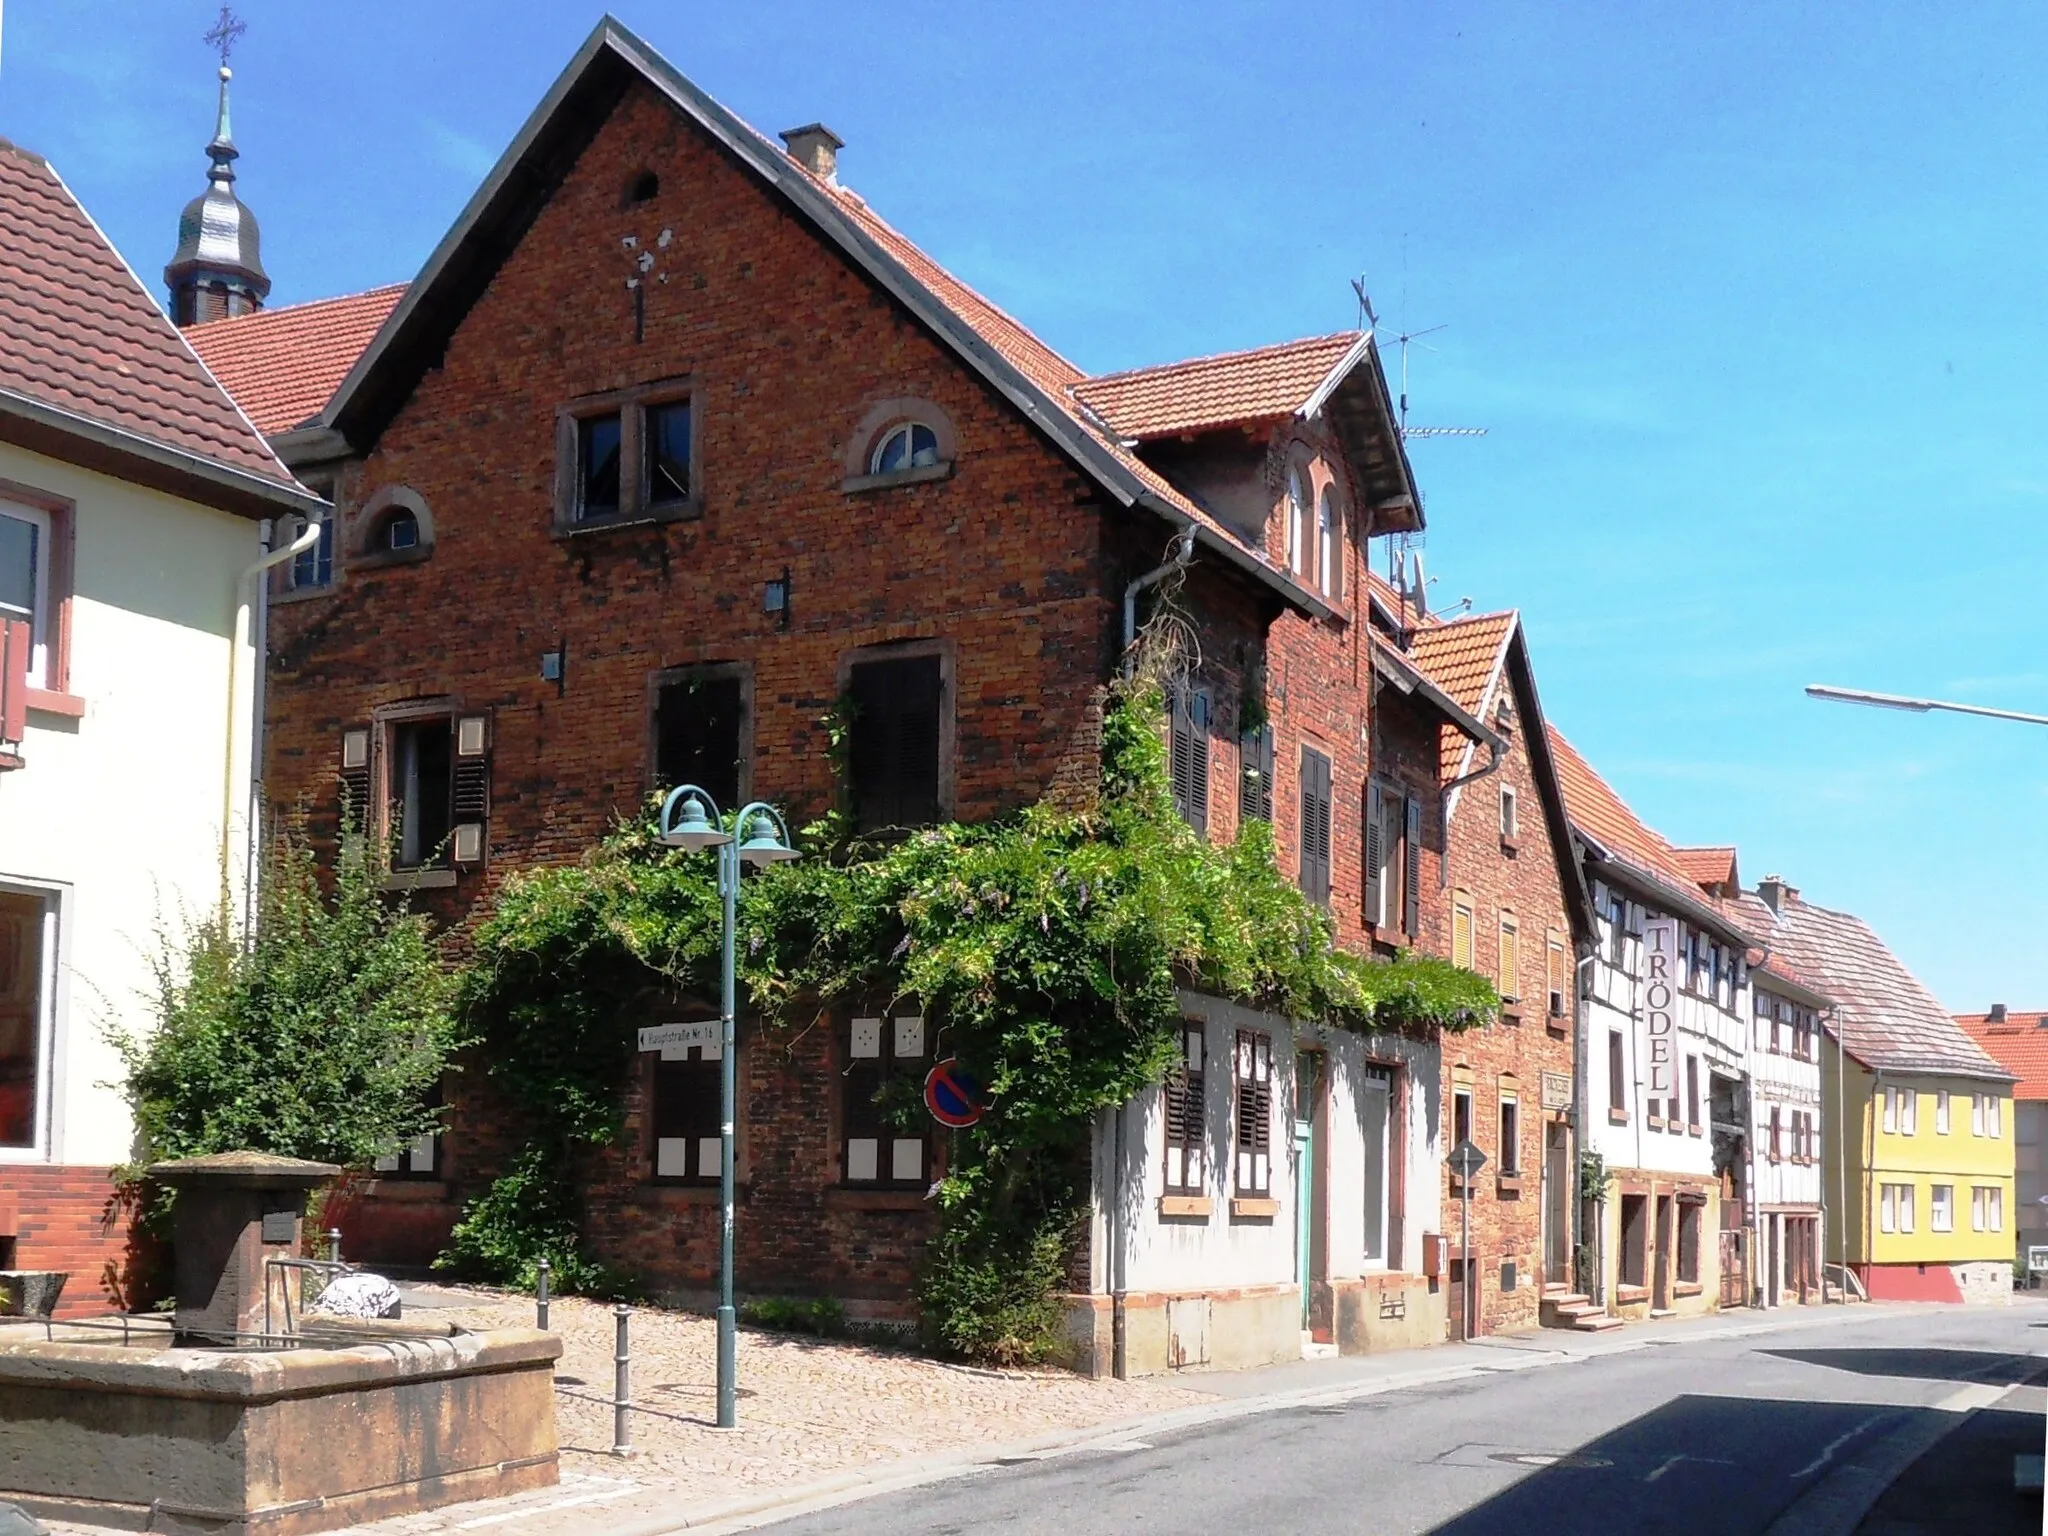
[[1660, 1288], [1307, 1205], [1557, 1206]]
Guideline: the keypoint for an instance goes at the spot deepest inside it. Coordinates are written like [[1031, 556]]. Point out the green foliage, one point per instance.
[[1594, 1176], [323, 1038], [823, 1317], [526, 1215], [1048, 948]]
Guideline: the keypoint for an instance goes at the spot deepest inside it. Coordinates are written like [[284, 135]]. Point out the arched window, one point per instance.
[[1329, 543], [401, 531], [913, 445], [1297, 524]]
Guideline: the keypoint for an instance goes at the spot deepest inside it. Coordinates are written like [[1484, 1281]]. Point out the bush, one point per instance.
[[822, 1317], [324, 1037]]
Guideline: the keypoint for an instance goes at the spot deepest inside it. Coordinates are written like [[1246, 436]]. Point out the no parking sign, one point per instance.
[[953, 1097]]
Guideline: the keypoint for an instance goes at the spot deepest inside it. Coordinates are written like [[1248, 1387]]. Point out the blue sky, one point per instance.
[[1747, 295]]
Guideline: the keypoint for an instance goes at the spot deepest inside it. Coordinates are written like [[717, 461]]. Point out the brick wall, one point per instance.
[[67, 1217], [1511, 1057]]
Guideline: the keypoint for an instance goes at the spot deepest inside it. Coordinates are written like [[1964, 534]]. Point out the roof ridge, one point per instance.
[[287, 309], [1219, 357]]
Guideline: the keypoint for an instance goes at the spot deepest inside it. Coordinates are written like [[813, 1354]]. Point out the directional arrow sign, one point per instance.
[[1465, 1160]]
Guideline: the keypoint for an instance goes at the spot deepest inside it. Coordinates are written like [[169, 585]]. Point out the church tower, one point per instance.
[[218, 268]]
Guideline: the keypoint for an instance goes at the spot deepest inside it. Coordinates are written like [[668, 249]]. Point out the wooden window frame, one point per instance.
[[1183, 1103], [1462, 907], [877, 425], [52, 693], [1314, 854], [631, 407], [469, 778], [1252, 1077], [660, 681], [1508, 1164], [1191, 753], [912, 650], [1256, 754], [1509, 956], [892, 1063], [1617, 1078]]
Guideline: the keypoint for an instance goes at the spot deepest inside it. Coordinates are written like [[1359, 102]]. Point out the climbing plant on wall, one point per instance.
[[1050, 945]]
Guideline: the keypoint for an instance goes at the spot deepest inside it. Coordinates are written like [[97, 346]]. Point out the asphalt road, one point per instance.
[[1799, 1430]]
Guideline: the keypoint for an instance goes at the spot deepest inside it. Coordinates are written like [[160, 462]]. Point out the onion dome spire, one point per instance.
[[218, 268]]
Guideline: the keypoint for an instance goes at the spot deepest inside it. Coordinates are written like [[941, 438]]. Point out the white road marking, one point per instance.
[[1828, 1451], [1965, 1399]]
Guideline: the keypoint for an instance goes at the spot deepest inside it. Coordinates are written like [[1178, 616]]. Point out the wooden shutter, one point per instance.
[[697, 733], [1254, 1067], [1510, 958], [355, 777], [1315, 825], [1255, 782], [1461, 930], [470, 788], [1183, 1097], [1189, 758], [895, 748], [17, 644], [1411, 873], [1375, 855]]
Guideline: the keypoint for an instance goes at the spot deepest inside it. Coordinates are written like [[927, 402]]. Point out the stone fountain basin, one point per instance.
[[389, 1419]]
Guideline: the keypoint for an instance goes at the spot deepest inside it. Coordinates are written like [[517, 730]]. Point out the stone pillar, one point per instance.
[[235, 1211]]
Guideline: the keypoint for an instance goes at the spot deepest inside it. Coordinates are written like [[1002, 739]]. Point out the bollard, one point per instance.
[[622, 1435], [540, 1296], [334, 1245]]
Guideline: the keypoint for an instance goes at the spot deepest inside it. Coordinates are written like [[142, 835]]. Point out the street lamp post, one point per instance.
[[1915, 706], [690, 820]]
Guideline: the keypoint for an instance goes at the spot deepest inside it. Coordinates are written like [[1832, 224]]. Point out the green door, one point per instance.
[[1305, 1204]]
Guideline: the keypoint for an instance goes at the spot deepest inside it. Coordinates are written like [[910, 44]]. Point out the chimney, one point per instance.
[[1773, 890], [816, 148], [1997, 1014]]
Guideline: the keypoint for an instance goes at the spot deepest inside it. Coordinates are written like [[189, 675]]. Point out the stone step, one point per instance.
[[1594, 1322]]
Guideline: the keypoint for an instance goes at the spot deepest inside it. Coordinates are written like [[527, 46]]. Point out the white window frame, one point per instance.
[[1941, 1112], [1994, 1126], [53, 991], [907, 429], [1941, 1208], [1509, 822], [40, 616], [1909, 1111], [1297, 523], [1976, 1114], [1327, 543]]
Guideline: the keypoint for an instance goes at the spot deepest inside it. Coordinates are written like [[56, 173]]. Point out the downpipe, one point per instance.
[[1180, 552]]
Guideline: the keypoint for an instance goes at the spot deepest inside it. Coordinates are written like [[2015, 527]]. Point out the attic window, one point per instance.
[[913, 445], [643, 188], [401, 531]]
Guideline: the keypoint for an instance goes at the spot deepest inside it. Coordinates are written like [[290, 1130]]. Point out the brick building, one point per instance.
[[672, 446]]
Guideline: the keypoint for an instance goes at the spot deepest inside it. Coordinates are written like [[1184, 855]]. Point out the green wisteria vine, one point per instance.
[[1051, 945]]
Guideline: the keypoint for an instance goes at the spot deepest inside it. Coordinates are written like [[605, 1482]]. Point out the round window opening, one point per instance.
[[910, 446], [401, 531]]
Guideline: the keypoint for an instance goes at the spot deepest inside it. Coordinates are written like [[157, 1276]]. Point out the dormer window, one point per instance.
[[913, 445]]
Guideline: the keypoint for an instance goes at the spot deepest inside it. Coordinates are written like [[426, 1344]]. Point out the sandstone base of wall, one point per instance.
[[275, 1443], [1988, 1283], [1218, 1328], [1390, 1311], [1983, 1282]]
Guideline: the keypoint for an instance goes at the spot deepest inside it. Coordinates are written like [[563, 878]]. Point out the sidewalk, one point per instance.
[[822, 1423]]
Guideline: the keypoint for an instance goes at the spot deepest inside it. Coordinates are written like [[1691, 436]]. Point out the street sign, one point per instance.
[[2037, 1259], [952, 1095], [669, 1037], [1557, 1090], [1465, 1160]]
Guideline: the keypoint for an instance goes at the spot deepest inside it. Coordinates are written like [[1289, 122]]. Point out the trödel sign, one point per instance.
[[1660, 1005], [952, 1095]]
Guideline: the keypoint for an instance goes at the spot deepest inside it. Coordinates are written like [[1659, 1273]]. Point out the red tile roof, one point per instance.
[[1463, 657], [2019, 1043], [1708, 867], [1883, 1016], [283, 364], [80, 334], [1230, 389]]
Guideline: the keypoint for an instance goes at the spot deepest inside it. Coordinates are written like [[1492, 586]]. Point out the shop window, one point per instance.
[[894, 751], [27, 932], [1689, 1218], [886, 1061], [1187, 1141], [1635, 1239]]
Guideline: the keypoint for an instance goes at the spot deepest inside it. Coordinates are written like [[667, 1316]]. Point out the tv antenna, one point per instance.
[[1368, 317]]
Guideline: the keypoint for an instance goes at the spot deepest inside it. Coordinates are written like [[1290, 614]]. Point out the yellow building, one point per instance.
[[1917, 1130]]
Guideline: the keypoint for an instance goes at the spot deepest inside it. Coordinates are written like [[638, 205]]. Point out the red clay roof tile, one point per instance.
[[1708, 867], [1203, 394], [2018, 1043], [79, 332], [283, 364]]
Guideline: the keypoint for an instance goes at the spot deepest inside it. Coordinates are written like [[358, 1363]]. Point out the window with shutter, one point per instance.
[[687, 1115], [1461, 929], [471, 792], [1411, 867], [885, 1058], [420, 791], [894, 752], [1510, 958], [1188, 757], [1254, 1077], [1187, 1162], [354, 787], [1556, 973], [1255, 784], [1315, 825], [700, 730], [17, 645], [1377, 897]]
